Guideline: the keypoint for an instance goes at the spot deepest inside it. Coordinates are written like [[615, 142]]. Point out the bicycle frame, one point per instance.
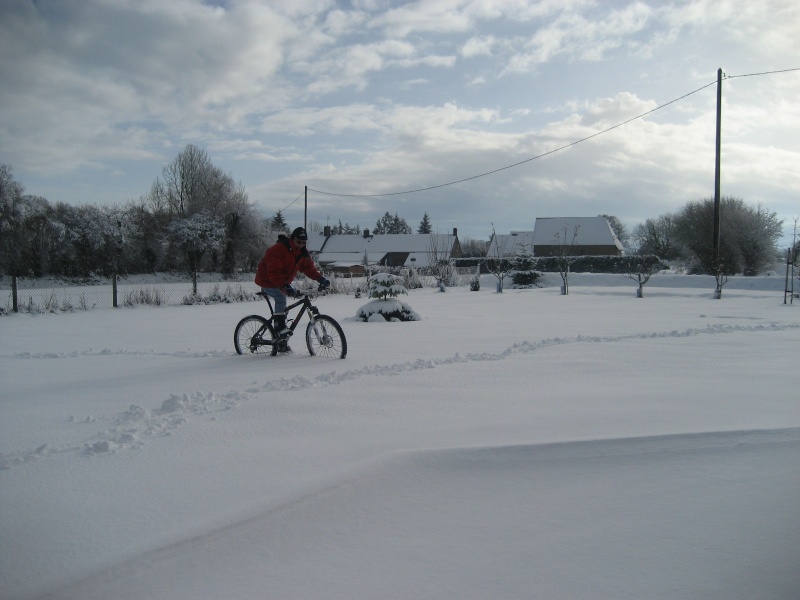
[[305, 302]]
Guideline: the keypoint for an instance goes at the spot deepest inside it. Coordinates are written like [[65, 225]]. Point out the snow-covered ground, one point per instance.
[[515, 445]]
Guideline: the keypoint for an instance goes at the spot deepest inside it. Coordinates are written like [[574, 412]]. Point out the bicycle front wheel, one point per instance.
[[324, 337], [254, 335]]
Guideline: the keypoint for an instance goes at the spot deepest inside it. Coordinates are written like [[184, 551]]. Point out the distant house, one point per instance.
[[551, 236], [510, 244], [594, 237], [348, 253]]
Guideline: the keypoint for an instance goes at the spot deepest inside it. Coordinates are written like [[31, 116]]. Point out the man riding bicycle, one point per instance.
[[277, 270]]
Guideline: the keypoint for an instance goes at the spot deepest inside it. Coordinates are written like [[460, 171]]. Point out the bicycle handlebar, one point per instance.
[[310, 293]]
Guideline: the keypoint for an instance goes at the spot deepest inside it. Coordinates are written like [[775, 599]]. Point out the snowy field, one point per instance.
[[515, 445]]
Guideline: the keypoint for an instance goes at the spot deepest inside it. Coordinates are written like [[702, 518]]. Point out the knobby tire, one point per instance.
[[324, 337], [243, 336]]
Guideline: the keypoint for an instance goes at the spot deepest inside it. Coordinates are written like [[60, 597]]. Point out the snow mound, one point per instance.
[[390, 309]]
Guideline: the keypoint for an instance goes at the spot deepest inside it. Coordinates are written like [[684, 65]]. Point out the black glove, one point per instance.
[[324, 283], [290, 291]]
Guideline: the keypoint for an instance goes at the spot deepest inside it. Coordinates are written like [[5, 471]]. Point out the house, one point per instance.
[[511, 244], [348, 253], [593, 236]]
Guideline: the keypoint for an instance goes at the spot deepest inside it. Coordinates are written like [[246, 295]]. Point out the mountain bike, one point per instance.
[[324, 336]]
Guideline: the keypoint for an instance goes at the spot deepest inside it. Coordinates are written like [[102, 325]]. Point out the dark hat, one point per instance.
[[299, 234]]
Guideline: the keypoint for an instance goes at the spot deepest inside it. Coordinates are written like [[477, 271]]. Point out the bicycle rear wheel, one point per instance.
[[324, 337], [254, 335]]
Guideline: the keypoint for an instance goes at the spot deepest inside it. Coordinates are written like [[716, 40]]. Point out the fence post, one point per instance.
[[114, 289], [14, 302]]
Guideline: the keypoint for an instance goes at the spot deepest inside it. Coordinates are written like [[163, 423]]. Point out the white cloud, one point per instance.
[[478, 46], [305, 122], [376, 96]]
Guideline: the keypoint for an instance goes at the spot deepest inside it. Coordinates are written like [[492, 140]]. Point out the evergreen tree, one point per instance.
[[391, 224], [278, 223], [425, 225], [345, 229]]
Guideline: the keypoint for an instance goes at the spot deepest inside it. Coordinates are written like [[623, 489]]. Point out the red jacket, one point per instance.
[[282, 262]]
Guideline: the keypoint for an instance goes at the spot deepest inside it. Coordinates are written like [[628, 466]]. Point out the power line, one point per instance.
[[522, 162], [762, 73], [575, 143], [292, 202]]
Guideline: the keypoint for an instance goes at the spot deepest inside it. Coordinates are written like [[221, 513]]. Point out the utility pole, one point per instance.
[[305, 212], [717, 264]]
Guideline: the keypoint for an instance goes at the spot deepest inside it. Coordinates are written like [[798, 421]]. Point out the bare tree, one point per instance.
[[12, 218], [497, 264], [565, 254], [657, 236], [473, 248], [440, 262], [191, 184], [643, 269], [748, 236]]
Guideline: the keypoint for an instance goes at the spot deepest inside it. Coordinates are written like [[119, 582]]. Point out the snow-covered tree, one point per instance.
[[619, 229], [384, 288], [12, 217], [195, 236], [391, 224], [523, 274], [439, 262]]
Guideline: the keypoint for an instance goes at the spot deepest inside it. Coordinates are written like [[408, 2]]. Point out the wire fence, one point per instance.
[[39, 296], [34, 295]]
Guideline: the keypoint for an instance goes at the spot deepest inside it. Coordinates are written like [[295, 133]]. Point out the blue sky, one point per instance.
[[373, 97]]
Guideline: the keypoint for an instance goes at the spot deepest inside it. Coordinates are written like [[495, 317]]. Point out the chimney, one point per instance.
[[366, 233], [326, 231], [455, 231]]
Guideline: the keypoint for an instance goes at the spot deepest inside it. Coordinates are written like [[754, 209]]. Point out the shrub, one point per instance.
[[525, 278], [384, 289]]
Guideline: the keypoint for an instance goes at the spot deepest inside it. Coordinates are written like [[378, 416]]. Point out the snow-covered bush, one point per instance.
[[525, 279], [385, 285], [411, 279], [384, 306]]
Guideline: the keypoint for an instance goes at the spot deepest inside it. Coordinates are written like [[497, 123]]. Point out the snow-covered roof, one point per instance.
[[510, 243], [350, 249], [412, 242], [592, 231], [315, 241], [346, 259]]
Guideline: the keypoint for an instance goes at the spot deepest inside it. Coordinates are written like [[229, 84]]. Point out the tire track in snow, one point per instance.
[[109, 352], [516, 348], [133, 427], [334, 377]]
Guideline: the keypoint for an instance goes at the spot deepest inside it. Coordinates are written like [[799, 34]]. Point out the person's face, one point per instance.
[[299, 243]]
